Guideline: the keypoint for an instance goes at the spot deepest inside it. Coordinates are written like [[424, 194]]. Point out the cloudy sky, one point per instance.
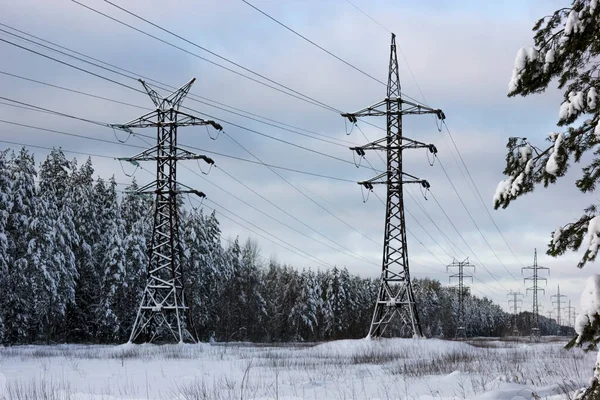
[[460, 53]]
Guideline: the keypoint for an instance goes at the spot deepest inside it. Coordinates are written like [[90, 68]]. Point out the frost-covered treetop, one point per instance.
[[566, 48]]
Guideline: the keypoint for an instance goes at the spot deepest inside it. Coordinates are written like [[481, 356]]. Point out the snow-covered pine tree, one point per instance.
[[251, 291], [110, 256], [135, 212], [5, 207], [45, 269], [54, 176], [81, 324], [55, 194], [19, 301], [566, 48], [303, 316], [195, 259]]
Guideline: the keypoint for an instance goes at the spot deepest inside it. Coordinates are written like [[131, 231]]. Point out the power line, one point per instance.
[[68, 134], [271, 216], [473, 220], [260, 234], [146, 136], [314, 44], [368, 16], [303, 193], [294, 93], [193, 96], [202, 113], [479, 193], [296, 218], [466, 243]]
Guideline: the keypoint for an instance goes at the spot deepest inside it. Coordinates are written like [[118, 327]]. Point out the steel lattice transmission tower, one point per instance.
[[162, 308], [515, 302], [535, 326], [461, 291], [557, 300], [395, 291]]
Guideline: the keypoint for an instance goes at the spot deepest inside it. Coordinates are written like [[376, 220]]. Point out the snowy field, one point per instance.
[[350, 369]]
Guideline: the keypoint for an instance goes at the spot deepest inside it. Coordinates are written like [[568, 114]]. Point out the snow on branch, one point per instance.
[[552, 165], [524, 55]]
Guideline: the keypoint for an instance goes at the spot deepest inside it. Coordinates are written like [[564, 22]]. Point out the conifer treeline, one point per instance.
[[73, 255]]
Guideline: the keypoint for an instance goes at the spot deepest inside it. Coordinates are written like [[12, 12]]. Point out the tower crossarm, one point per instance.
[[383, 145], [383, 179], [380, 109], [179, 118], [180, 155]]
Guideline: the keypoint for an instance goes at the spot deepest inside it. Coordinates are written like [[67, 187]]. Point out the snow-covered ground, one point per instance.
[[348, 369]]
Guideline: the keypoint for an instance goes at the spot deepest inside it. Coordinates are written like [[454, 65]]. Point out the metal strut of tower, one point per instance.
[[515, 302], [461, 292], [395, 290], [557, 300], [535, 326], [162, 308]]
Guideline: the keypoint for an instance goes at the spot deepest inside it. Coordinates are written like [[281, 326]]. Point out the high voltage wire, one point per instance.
[[305, 98], [259, 234], [296, 219], [313, 43], [197, 111], [465, 242], [109, 157], [321, 48], [192, 96], [475, 223], [417, 201], [146, 108], [479, 193], [356, 256], [304, 194], [293, 93], [190, 147]]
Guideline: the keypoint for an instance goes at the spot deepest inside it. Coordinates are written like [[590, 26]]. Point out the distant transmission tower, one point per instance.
[[162, 309], [395, 290], [556, 301], [571, 311], [535, 326], [461, 292], [515, 302]]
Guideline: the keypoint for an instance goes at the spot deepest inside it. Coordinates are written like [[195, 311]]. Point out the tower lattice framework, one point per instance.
[[161, 313], [461, 291], [515, 302], [557, 300], [395, 290], [535, 277]]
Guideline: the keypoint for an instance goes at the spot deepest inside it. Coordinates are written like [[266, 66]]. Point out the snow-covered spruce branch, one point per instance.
[[524, 169], [564, 42], [571, 236]]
